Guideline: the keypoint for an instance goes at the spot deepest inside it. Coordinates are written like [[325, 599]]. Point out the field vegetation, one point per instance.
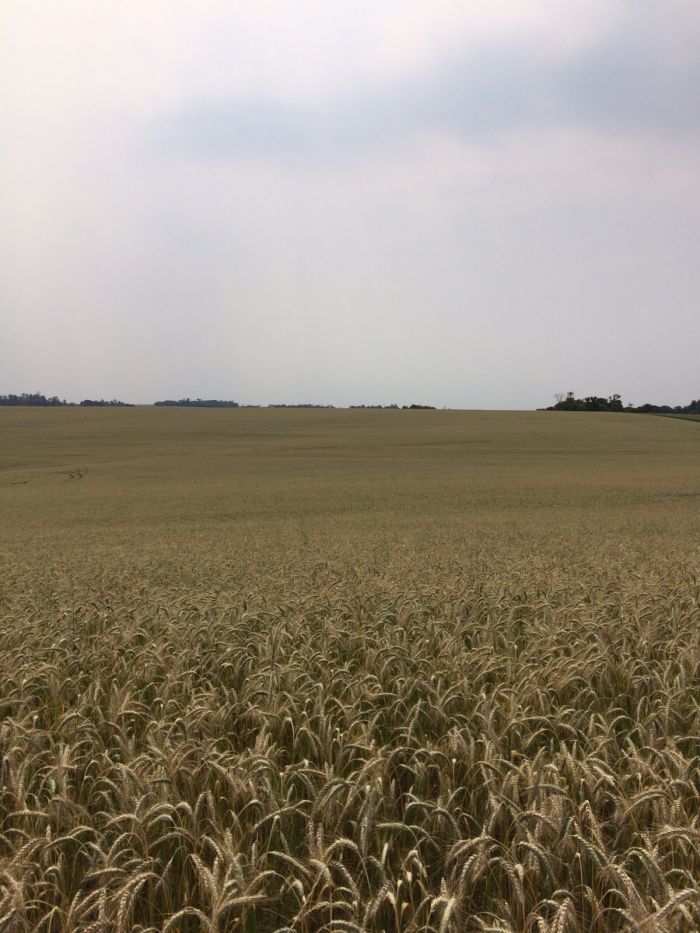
[[347, 671]]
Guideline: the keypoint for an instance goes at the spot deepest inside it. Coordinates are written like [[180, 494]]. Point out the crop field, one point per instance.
[[690, 417], [313, 670]]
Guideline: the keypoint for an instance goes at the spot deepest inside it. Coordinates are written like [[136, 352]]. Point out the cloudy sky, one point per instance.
[[467, 204]]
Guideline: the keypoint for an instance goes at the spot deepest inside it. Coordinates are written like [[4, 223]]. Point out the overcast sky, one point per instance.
[[465, 204]]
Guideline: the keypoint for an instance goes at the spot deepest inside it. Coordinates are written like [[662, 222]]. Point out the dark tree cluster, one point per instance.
[[219, 403], [692, 408], [569, 402], [34, 399], [102, 403], [421, 407], [197, 403], [372, 407]]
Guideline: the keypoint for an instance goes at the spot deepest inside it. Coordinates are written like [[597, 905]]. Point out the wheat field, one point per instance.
[[349, 671]]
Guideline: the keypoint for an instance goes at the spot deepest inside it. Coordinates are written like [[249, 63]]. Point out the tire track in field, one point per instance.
[[76, 474]]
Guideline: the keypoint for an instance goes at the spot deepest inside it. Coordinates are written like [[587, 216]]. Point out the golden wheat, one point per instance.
[[359, 710]]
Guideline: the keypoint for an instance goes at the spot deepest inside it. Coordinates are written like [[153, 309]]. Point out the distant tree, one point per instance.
[[34, 399], [614, 403], [589, 403], [197, 403], [101, 403], [382, 407]]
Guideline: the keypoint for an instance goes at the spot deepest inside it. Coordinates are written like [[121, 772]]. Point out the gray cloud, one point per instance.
[[630, 80]]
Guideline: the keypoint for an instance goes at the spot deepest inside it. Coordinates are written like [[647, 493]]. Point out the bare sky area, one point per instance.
[[471, 205]]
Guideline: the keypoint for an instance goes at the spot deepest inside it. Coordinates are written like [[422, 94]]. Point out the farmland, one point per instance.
[[349, 670], [690, 417]]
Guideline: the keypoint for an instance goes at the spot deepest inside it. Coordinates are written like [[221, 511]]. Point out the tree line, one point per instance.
[[567, 401], [396, 407], [223, 403], [196, 403], [36, 399], [219, 403]]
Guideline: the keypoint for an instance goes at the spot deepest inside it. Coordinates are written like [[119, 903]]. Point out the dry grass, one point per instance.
[[349, 671]]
